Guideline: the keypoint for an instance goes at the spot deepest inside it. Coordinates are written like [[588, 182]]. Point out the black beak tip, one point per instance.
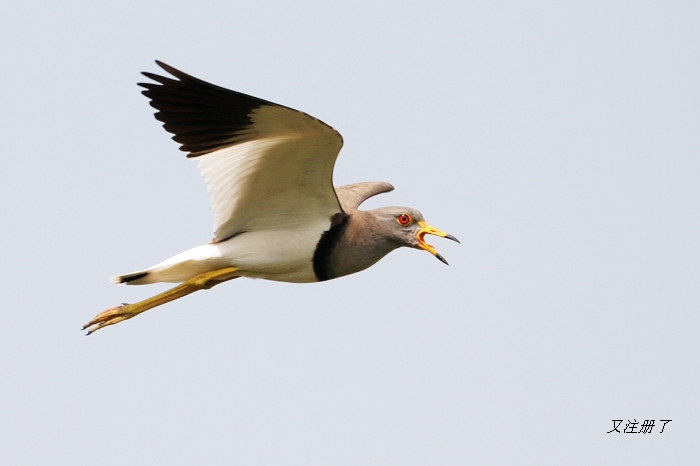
[[452, 238], [441, 259]]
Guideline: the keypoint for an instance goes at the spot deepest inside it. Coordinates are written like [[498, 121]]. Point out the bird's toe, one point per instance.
[[111, 316]]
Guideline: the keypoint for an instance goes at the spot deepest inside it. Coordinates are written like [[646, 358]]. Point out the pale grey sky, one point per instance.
[[558, 141]]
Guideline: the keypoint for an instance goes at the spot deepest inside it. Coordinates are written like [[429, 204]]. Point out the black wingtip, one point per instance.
[[165, 66], [179, 74]]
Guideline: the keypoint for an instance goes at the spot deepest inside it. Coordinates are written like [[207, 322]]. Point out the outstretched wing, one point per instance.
[[352, 195], [266, 166]]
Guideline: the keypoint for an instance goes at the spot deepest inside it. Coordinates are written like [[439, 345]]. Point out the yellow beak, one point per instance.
[[426, 229]]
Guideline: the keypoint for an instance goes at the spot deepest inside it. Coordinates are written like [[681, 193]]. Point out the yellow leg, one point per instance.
[[203, 281]]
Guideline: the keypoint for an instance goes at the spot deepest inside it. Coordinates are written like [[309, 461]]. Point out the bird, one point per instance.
[[268, 170]]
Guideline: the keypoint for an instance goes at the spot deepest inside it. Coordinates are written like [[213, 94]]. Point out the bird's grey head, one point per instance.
[[407, 227]]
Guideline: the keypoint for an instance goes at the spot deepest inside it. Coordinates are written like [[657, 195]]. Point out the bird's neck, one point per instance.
[[351, 245]]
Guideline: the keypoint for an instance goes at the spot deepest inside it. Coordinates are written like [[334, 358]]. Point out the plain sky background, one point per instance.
[[559, 141]]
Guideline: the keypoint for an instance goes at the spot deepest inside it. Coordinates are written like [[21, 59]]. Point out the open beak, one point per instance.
[[426, 229]]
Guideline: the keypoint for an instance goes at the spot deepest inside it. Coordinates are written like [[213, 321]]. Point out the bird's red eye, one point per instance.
[[403, 219]]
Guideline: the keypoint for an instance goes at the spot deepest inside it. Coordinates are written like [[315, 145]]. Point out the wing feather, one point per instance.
[[352, 195], [266, 166]]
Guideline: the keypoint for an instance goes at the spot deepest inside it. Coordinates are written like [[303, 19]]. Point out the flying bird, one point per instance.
[[268, 171]]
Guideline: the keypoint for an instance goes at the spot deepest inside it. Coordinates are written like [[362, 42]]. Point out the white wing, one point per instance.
[[266, 166]]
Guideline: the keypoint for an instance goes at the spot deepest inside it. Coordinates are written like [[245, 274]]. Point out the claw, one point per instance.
[[203, 281], [111, 316]]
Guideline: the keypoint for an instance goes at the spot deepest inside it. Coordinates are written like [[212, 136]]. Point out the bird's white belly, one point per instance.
[[285, 256]]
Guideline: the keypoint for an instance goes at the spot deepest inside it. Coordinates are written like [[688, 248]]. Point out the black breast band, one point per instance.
[[326, 245]]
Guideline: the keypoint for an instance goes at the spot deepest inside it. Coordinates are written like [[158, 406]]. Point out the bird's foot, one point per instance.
[[114, 315], [111, 316]]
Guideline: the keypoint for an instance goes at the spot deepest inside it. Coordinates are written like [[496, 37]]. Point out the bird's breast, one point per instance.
[[280, 255]]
